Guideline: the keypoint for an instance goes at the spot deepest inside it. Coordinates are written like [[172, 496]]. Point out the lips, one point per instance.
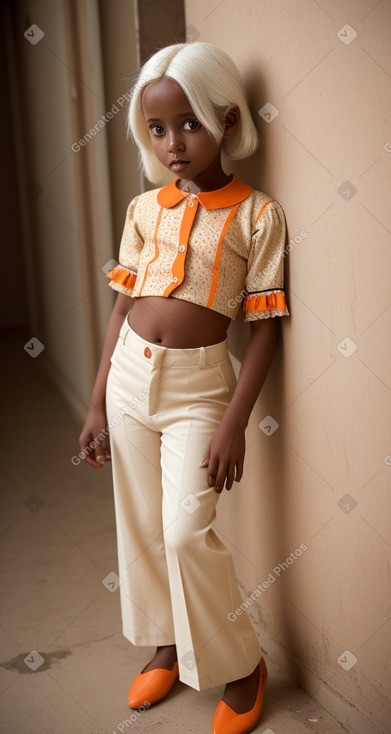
[[178, 165]]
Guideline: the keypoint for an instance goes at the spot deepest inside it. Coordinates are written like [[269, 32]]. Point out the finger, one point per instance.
[[105, 445], [213, 467], [230, 477], [92, 456], [92, 462], [239, 471], [221, 476], [211, 479], [99, 450], [102, 453], [205, 460]]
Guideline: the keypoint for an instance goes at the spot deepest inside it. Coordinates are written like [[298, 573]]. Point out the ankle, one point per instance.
[[165, 657], [241, 694], [167, 652]]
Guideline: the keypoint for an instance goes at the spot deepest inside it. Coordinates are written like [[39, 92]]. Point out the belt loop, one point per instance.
[[126, 334], [202, 362]]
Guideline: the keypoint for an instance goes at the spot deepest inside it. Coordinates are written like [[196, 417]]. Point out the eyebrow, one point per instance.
[[182, 114]]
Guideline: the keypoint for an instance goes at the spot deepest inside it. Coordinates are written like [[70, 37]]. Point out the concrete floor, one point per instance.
[[65, 667]]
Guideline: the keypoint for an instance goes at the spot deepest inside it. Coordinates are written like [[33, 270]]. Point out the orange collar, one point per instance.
[[233, 193]]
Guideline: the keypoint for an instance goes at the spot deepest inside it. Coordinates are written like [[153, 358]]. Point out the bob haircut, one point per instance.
[[211, 83]]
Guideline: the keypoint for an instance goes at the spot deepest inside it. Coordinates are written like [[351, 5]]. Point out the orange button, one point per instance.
[[147, 352]]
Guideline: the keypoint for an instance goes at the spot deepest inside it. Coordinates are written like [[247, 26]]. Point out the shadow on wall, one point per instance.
[[268, 460]]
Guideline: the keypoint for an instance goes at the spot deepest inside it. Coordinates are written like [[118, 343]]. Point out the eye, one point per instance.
[[157, 130], [191, 125]]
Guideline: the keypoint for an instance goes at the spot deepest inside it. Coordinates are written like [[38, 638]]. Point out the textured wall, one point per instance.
[[321, 479]]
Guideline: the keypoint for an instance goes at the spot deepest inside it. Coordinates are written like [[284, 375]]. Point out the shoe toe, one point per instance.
[[151, 687], [228, 721]]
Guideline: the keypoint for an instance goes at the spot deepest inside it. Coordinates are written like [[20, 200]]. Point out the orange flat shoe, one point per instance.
[[227, 721], [152, 686]]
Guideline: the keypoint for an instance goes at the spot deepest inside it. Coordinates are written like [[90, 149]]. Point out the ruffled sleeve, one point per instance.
[[124, 275], [122, 279], [265, 296]]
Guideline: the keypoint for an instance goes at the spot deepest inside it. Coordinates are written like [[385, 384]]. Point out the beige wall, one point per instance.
[[333, 409], [119, 64]]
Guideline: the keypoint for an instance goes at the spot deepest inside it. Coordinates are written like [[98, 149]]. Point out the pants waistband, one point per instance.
[[157, 355]]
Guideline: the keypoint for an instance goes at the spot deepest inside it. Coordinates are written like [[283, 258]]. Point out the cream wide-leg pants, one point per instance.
[[178, 579]]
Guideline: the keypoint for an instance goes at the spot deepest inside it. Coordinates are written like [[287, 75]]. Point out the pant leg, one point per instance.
[[183, 588], [135, 450], [212, 649]]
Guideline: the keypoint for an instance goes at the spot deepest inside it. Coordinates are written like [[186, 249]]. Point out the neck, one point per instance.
[[195, 186], [189, 186]]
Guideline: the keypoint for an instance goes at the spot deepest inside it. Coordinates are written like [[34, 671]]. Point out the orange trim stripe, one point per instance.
[[268, 202], [215, 277], [265, 302], [178, 266], [156, 248]]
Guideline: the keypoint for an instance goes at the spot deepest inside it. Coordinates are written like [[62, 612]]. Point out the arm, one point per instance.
[[96, 418], [225, 454]]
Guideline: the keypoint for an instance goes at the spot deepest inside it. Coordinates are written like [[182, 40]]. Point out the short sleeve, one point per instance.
[[264, 293], [123, 276]]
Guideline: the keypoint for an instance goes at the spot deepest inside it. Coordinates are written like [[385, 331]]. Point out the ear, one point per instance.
[[232, 117]]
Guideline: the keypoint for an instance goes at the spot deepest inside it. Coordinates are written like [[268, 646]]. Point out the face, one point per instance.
[[178, 138]]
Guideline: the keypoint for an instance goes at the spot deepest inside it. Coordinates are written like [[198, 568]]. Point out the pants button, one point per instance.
[[147, 352]]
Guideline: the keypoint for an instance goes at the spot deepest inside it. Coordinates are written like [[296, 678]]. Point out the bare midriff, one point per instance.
[[175, 323]]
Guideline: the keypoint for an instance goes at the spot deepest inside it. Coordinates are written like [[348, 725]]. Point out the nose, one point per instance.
[[175, 143]]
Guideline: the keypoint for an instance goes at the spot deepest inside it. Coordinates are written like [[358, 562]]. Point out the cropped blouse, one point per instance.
[[220, 249]]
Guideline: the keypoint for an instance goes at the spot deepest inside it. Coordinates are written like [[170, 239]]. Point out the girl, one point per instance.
[[192, 252]]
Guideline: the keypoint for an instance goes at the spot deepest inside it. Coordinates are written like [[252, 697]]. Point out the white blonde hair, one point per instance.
[[211, 83]]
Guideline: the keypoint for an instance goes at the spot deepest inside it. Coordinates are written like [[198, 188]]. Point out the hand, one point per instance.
[[96, 421], [224, 456]]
